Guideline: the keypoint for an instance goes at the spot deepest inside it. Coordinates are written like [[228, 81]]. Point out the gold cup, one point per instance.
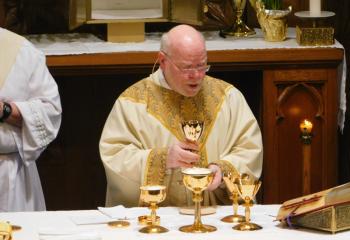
[[239, 28], [230, 180], [193, 130], [247, 189], [153, 194], [197, 180]]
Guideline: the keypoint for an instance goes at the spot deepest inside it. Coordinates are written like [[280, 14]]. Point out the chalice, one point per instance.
[[239, 28], [153, 194], [247, 189], [230, 180], [197, 180], [192, 130]]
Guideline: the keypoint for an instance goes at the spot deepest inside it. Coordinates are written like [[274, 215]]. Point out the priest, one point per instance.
[[142, 142]]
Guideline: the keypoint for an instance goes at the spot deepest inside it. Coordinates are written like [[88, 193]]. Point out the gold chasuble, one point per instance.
[[146, 120], [10, 46]]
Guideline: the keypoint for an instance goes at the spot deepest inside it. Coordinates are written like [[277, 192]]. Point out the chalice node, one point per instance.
[[153, 194], [197, 180]]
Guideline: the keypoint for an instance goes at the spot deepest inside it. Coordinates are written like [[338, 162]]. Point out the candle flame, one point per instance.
[[306, 126]]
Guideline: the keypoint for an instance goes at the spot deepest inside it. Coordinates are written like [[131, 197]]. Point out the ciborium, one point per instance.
[[153, 194], [230, 180], [197, 180], [247, 188], [239, 28]]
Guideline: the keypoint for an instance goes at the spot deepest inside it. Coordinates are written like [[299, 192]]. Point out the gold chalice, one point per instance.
[[239, 28], [247, 189], [153, 194], [197, 180], [230, 180], [193, 130]]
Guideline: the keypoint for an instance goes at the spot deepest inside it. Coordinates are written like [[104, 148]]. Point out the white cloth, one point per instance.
[[31, 87], [33, 223]]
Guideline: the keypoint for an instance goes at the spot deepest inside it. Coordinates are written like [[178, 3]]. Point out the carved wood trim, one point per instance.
[[288, 91]]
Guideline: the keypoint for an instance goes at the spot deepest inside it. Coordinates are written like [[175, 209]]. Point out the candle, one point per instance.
[[306, 126], [315, 7]]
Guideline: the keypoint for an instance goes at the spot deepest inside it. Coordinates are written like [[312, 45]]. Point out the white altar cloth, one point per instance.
[[53, 222]]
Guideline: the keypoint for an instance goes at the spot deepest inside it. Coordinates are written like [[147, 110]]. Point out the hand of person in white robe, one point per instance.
[[182, 154], [217, 177]]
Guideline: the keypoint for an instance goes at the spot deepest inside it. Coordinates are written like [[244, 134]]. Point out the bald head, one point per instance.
[[182, 38]]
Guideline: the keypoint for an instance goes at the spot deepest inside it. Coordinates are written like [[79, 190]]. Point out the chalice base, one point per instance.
[[238, 30], [233, 218], [247, 226], [153, 229], [197, 229]]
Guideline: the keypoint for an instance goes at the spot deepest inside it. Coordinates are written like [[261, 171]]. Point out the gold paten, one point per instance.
[[118, 224], [197, 180], [247, 188], [230, 180], [315, 36], [153, 194], [273, 23]]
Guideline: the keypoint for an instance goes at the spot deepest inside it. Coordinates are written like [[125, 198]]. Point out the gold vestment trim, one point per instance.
[[171, 108]]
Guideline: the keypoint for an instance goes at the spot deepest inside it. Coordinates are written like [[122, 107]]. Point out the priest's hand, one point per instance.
[[182, 154], [217, 177]]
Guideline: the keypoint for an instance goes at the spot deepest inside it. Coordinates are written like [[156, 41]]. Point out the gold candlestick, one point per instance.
[[306, 136]]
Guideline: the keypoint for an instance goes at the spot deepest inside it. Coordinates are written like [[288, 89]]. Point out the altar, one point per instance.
[[283, 83], [64, 225]]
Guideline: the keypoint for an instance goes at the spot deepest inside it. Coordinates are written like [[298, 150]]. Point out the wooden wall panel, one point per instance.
[[298, 94]]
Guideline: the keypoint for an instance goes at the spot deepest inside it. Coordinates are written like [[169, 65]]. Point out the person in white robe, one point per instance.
[[30, 117], [142, 142]]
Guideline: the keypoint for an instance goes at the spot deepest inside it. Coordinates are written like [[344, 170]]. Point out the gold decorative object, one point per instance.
[[273, 23], [118, 224], [230, 181], [197, 180], [5, 231], [239, 28], [153, 194], [247, 189], [314, 35], [328, 210]]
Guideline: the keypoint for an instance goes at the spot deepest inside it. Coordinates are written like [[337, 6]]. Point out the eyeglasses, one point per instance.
[[200, 69]]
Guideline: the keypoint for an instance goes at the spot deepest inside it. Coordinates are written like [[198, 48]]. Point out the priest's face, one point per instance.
[[184, 69]]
